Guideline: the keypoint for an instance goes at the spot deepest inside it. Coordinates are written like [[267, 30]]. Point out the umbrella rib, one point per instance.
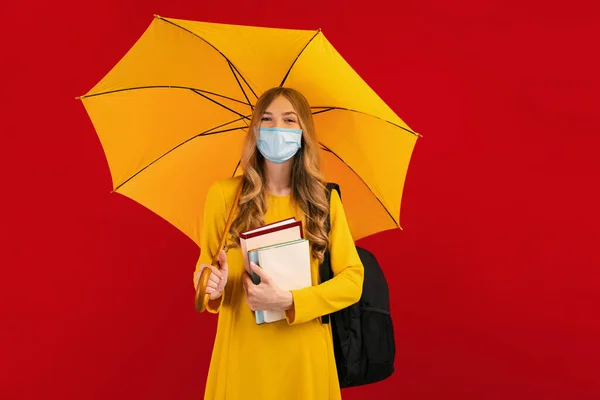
[[239, 84], [217, 50], [298, 56], [362, 180], [208, 132], [321, 111], [364, 113], [222, 105], [164, 87], [236, 168], [243, 118], [244, 79]]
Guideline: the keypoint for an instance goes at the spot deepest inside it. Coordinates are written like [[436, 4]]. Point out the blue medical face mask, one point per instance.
[[278, 144]]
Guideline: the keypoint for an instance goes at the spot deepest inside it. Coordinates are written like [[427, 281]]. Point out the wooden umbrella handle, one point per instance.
[[202, 297]]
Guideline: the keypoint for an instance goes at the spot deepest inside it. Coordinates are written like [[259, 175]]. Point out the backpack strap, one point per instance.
[[325, 268]]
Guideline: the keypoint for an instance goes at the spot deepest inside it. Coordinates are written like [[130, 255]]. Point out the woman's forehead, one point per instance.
[[280, 105]]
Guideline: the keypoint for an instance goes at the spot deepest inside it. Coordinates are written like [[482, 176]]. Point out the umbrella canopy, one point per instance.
[[172, 114]]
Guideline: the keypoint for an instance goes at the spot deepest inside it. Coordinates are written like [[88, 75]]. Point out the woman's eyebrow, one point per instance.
[[285, 113]]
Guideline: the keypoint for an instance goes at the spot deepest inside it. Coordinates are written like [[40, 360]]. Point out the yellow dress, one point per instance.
[[288, 359]]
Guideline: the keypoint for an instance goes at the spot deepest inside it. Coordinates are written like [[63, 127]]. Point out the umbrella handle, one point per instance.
[[202, 297]]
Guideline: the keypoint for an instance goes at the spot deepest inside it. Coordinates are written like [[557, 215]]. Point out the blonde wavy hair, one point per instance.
[[307, 180]]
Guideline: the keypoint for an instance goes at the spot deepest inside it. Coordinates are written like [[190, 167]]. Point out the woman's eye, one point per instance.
[[291, 120], [265, 119]]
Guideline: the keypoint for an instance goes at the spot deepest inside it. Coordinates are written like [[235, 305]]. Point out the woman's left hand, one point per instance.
[[266, 295]]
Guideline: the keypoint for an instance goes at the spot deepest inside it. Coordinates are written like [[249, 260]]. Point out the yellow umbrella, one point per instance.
[[172, 113]]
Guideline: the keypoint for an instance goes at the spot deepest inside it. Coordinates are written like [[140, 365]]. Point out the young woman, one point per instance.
[[292, 358]]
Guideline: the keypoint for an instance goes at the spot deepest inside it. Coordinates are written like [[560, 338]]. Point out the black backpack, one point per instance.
[[363, 335]]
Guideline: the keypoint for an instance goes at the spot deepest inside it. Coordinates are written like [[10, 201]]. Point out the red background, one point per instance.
[[494, 279]]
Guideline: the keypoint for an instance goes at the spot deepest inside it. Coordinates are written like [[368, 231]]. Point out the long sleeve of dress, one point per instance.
[[345, 288], [213, 224]]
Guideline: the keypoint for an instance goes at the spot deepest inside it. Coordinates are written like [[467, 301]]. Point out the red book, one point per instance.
[[266, 235]]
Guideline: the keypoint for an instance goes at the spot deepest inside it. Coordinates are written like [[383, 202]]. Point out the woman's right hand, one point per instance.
[[218, 277]]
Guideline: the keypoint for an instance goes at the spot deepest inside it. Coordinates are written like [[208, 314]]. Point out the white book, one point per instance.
[[277, 232], [288, 265]]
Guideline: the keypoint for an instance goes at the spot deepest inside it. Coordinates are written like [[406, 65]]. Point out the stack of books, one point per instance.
[[281, 250]]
